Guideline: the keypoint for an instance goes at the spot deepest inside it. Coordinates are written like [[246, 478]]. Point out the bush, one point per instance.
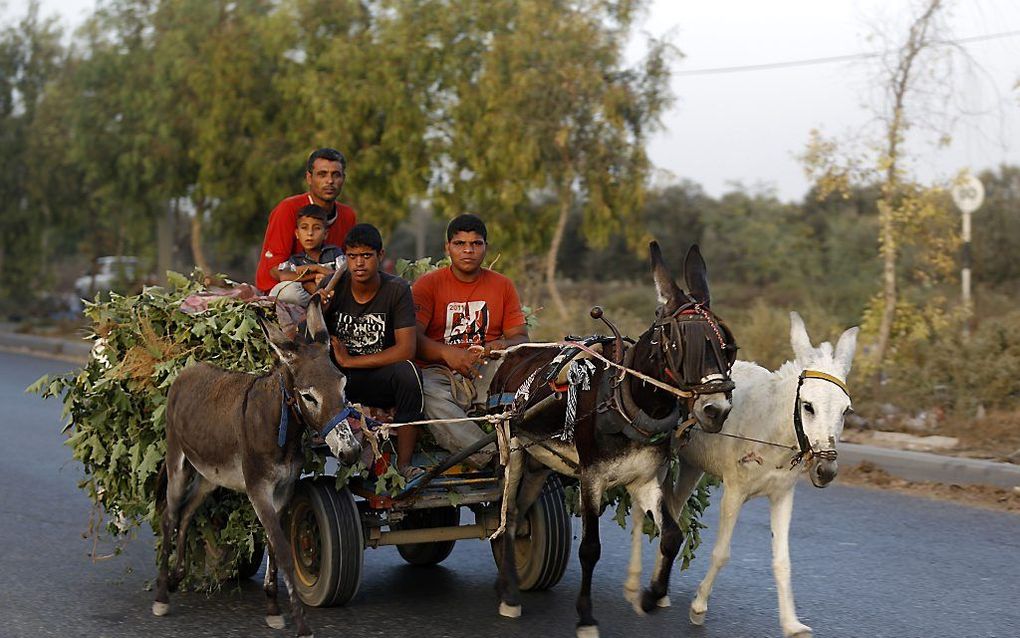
[[959, 373]]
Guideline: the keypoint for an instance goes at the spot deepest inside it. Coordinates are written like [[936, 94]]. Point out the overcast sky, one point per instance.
[[748, 127]]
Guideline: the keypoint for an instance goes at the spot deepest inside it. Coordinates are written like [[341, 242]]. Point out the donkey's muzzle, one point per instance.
[[824, 472], [713, 415], [344, 445]]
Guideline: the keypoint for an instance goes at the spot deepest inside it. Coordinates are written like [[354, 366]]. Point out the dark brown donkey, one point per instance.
[[617, 428], [243, 432]]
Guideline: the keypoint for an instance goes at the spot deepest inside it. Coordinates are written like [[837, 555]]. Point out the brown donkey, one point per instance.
[[230, 429]]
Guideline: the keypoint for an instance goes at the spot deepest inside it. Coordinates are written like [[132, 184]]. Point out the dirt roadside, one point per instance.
[[869, 475]]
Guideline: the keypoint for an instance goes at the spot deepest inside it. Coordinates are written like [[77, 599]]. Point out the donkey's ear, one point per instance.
[[845, 348], [665, 288], [286, 320], [315, 322], [282, 346], [802, 348], [696, 275]]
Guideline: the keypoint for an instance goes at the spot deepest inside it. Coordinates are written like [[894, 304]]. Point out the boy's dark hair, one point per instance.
[[330, 154], [364, 235], [466, 223], [314, 211]]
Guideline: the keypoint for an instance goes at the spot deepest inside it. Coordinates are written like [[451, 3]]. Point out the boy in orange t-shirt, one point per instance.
[[464, 312]]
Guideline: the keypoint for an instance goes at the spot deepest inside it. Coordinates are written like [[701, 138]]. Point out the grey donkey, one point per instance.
[[230, 429]]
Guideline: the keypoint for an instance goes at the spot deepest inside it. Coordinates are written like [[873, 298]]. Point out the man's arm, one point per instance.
[[279, 239], [402, 350]]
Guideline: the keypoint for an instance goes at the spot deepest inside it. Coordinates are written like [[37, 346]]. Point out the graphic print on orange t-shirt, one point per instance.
[[466, 322]]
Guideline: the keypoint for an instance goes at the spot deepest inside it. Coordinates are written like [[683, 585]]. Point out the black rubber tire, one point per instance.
[[327, 545], [543, 551], [425, 554], [248, 568]]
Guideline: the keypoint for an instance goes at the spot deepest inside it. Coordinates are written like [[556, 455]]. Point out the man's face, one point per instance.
[[362, 263], [325, 180], [466, 250], [310, 232]]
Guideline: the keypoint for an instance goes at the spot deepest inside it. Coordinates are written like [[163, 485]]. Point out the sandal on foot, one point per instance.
[[411, 473]]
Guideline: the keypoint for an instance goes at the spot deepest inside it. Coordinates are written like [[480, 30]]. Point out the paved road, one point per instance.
[[866, 563]]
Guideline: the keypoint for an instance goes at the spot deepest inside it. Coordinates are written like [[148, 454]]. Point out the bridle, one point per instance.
[[290, 405], [681, 351], [828, 454]]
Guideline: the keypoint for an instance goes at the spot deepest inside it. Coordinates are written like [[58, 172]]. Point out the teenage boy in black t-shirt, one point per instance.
[[371, 321]]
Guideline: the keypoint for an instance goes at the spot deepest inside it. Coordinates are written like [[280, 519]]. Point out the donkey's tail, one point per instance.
[[161, 481]]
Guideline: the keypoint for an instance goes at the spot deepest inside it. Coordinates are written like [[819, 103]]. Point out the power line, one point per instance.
[[830, 59]]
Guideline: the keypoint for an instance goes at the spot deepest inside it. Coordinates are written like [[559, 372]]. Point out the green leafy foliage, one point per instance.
[[690, 519]]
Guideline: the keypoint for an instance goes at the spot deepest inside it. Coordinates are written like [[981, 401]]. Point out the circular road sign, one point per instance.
[[968, 193]]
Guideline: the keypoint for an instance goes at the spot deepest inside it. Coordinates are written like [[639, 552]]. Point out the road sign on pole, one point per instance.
[[968, 193]]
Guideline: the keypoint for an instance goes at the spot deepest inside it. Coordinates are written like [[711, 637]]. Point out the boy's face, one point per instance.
[[310, 232], [362, 263], [466, 250]]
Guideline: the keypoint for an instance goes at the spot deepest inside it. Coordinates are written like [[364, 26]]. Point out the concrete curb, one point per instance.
[[75, 351], [923, 466], [913, 466]]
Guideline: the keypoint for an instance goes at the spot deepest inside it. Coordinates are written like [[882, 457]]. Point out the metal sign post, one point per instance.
[[968, 194]]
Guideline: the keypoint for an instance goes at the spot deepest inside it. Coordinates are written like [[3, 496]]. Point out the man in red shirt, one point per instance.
[[325, 173], [464, 312]]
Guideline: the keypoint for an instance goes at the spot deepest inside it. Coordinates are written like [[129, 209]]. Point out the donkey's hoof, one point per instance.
[[509, 611], [697, 617], [588, 631], [276, 622], [663, 602], [799, 630], [649, 603], [160, 609]]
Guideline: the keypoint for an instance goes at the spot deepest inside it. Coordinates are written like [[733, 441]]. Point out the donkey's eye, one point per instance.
[[309, 397], [810, 409]]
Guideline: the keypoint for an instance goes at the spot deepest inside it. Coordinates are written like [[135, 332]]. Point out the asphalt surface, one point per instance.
[[865, 563]]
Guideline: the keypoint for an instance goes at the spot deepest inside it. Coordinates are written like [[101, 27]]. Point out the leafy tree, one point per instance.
[[538, 113], [908, 213], [996, 242], [756, 239], [30, 59]]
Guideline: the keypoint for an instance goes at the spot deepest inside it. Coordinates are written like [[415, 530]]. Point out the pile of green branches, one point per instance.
[[115, 406]]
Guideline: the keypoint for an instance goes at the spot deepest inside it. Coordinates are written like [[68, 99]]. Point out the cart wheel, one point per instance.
[[326, 540], [428, 553], [542, 546], [246, 568]]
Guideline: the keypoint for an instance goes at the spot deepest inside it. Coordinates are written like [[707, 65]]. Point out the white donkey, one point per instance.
[[800, 409]]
